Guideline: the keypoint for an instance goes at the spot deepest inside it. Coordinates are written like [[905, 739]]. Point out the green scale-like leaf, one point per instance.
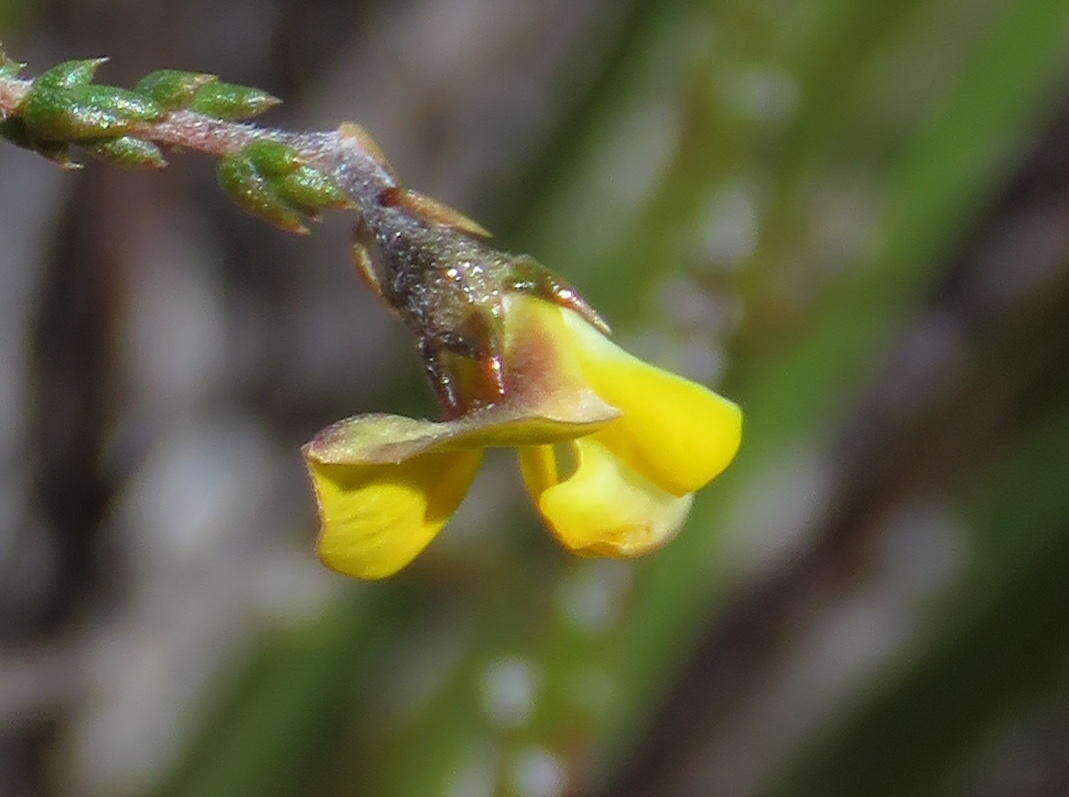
[[172, 89], [227, 101]]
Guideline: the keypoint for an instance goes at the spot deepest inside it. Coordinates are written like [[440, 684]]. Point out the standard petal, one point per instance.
[[675, 432], [377, 517], [596, 504]]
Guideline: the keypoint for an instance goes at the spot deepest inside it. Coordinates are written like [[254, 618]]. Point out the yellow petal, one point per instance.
[[377, 517], [675, 432], [596, 504], [386, 485]]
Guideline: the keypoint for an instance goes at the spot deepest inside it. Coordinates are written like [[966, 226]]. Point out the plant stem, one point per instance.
[[347, 159]]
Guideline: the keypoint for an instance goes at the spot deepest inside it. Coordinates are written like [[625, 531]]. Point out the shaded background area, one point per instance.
[[850, 217]]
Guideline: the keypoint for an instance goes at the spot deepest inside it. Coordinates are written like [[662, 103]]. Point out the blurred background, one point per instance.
[[851, 217]]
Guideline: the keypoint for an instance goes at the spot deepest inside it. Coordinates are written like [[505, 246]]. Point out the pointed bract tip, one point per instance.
[[365, 142]]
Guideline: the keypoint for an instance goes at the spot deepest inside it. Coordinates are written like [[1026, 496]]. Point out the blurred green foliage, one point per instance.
[[997, 641], [923, 108], [14, 14]]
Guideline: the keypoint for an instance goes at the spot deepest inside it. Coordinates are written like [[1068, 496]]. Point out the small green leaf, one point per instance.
[[172, 89], [85, 112], [69, 74], [273, 158], [311, 190], [227, 101], [241, 180], [128, 152]]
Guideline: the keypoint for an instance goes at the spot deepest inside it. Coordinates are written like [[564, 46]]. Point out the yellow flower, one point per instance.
[[611, 450]]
